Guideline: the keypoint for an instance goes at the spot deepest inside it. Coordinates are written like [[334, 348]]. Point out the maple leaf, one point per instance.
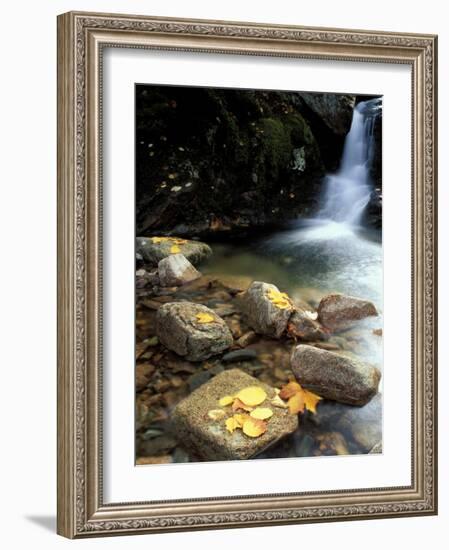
[[261, 413], [311, 400], [204, 318], [296, 403], [252, 396], [289, 390], [252, 427]]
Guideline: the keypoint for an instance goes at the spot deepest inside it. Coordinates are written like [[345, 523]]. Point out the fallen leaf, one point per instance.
[[278, 402], [237, 404], [261, 413], [252, 427], [226, 400], [296, 403], [289, 390], [252, 396], [174, 249], [311, 400], [204, 318], [240, 419], [280, 299], [216, 414], [231, 424]]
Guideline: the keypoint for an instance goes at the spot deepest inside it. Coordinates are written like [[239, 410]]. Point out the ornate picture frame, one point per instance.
[[82, 38]]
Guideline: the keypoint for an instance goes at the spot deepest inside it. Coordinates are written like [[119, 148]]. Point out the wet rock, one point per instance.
[[143, 375], [198, 379], [335, 110], [248, 338], [239, 355], [155, 249], [303, 325], [210, 439], [333, 376], [157, 446], [332, 443], [176, 270], [338, 311], [180, 328], [146, 278], [263, 315]]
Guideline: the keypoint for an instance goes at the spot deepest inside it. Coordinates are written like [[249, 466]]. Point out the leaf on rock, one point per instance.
[[311, 400], [280, 299], [289, 390], [296, 403], [216, 414], [240, 419], [226, 400], [237, 405], [253, 427], [252, 396], [261, 413], [204, 318], [278, 402], [231, 424]]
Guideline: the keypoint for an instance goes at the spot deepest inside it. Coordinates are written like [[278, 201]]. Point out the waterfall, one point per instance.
[[348, 191]]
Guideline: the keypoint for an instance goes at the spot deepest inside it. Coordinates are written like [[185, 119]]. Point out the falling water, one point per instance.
[[347, 192]]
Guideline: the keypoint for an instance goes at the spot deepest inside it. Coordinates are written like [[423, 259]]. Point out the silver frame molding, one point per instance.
[[81, 38]]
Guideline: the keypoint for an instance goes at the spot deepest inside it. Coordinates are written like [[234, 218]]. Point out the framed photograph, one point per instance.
[[247, 274]]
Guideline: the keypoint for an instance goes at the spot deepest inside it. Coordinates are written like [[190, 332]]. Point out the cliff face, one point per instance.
[[216, 160]]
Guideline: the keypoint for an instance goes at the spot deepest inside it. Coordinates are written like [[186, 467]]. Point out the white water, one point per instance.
[[348, 191]]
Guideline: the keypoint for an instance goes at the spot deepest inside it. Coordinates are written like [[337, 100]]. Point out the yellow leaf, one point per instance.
[[226, 400], [279, 299], [240, 405], [157, 240], [252, 396], [296, 403], [231, 424], [204, 318], [240, 419], [311, 400], [174, 249], [252, 427], [289, 390], [216, 414], [261, 413]]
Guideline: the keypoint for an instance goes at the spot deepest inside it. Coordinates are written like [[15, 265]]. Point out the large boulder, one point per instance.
[[199, 420], [155, 249], [192, 330], [339, 311], [334, 376], [335, 110], [267, 309], [176, 270]]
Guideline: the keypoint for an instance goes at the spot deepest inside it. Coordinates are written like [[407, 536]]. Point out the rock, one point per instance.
[[155, 249], [264, 316], [248, 338], [377, 449], [338, 311], [209, 439], [333, 376], [335, 110], [176, 270], [302, 325], [239, 355], [144, 372], [198, 379], [146, 278], [179, 328]]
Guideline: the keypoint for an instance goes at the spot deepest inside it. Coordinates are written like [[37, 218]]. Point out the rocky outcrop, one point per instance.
[[334, 376], [338, 311], [267, 309], [205, 435], [176, 270], [192, 330], [335, 110], [155, 249]]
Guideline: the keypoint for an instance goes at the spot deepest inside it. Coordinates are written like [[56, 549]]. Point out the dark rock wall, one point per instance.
[[219, 160]]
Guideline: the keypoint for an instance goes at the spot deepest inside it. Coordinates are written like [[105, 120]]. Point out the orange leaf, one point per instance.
[[240, 405], [311, 400], [296, 403], [289, 390], [204, 318]]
